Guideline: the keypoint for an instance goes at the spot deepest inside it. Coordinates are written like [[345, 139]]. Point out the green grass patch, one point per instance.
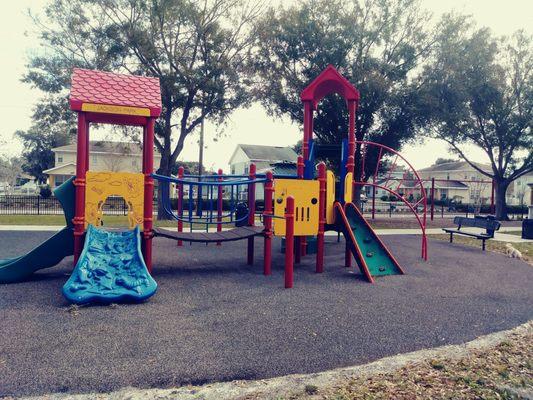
[[492, 245]]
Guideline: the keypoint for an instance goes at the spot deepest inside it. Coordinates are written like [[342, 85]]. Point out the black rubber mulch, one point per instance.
[[214, 318]]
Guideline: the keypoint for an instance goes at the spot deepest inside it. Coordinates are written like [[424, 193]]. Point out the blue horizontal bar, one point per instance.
[[222, 183]]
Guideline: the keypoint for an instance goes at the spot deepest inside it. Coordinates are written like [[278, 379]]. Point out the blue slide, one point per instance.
[[110, 269]]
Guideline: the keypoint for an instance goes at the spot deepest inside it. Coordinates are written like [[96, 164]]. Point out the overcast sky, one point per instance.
[[250, 126]]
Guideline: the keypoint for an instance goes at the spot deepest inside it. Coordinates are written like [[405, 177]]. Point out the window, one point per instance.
[[60, 179], [245, 170], [94, 159], [59, 159], [134, 163], [232, 170]]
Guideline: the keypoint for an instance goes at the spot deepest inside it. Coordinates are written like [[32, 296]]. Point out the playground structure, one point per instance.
[[115, 266]]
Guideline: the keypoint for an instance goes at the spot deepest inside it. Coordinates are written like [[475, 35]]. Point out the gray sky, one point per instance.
[[252, 125]]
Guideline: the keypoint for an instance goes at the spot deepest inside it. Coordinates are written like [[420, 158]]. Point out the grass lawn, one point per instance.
[[516, 233], [492, 245], [59, 220], [502, 372]]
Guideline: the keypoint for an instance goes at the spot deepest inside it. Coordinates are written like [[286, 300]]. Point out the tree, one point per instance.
[[10, 170], [441, 160], [198, 50], [479, 90], [37, 155], [375, 44]]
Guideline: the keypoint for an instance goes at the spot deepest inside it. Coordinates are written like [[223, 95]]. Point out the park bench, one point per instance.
[[488, 223]]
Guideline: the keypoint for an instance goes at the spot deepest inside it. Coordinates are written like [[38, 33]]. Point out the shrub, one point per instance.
[[45, 191]]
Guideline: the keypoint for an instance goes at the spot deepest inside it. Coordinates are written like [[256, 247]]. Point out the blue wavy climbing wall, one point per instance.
[[110, 269]]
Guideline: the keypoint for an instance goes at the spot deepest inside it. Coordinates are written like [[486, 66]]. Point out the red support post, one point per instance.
[[79, 182], [251, 215], [321, 217], [87, 145], [180, 203], [148, 153], [308, 118], [219, 204], [432, 192], [289, 243], [352, 106], [267, 221], [301, 242], [373, 202]]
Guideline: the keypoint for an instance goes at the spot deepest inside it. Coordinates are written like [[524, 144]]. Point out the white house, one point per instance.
[[262, 156], [104, 156], [459, 181], [278, 159]]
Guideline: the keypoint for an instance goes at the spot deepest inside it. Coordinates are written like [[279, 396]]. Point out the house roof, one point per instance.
[[268, 153], [282, 168], [64, 169], [102, 146], [106, 88], [449, 184], [455, 166]]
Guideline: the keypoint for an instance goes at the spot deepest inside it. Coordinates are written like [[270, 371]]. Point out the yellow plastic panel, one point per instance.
[[109, 109], [348, 188], [305, 193], [330, 197], [101, 185]]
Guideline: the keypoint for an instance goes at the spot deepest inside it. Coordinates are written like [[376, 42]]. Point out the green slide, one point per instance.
[[373, 258], [51, 251]]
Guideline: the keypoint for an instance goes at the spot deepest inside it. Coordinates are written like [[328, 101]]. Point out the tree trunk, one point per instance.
[[500, 200], [164, 169]]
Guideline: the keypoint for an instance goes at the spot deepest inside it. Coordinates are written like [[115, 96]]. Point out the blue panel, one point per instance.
[[111, 269], [309, 164]]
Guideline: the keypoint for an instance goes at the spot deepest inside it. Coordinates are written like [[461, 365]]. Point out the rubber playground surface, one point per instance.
[[214, 318]]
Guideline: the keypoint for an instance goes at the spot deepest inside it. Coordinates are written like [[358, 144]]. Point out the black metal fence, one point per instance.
[[37, 205]]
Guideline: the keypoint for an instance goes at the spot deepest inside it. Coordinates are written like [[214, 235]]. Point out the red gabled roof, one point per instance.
[[329, 81], [106, 88]]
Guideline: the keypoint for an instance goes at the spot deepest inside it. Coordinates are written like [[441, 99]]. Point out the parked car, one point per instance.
[[5, 187], [29, 188]]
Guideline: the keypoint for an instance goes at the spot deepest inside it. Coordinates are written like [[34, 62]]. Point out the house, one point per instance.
[[280, 160], [519, 193], [264, 157], [104, 156], [458, 181]]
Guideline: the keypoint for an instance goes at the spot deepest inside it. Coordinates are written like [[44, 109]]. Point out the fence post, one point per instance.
[[492, 196], [289, 243], [38, 205]]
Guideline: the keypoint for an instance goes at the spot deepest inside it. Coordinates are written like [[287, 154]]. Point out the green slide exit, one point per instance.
[[371, 255]]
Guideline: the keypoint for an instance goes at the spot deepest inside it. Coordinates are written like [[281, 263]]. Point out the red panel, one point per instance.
[[329, 81], [99, 87], [116, 119]]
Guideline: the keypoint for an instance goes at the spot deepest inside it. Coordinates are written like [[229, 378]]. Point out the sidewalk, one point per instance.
[[500, 236]]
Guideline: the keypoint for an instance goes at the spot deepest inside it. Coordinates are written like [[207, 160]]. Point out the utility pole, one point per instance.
[[200, 166]]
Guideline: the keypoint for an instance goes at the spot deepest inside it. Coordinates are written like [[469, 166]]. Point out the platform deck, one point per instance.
[[239, 233]]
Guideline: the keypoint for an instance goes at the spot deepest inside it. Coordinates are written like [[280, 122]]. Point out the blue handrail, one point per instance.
[[209, 218], [171, 179]]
